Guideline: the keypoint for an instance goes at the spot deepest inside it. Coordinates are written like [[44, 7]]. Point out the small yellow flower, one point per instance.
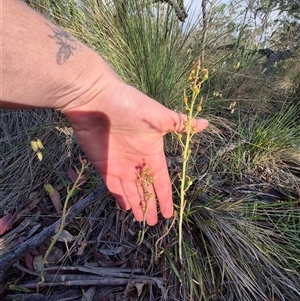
[[205, 74], [34, 145], [39, 155], [196, 89], [39, 144]]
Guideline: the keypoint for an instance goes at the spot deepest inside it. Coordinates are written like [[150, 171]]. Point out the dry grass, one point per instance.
[[241, 225], [240, 230]]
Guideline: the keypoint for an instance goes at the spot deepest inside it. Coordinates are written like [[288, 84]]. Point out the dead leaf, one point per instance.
[[66, 236], [37, 263], [73, 177], [29, 261], [28, 258], [89, 294], [81, 248], [33, 230], [55, 197], [6, 221], [135, 290], [29, 207], [111, 251], [55, 255]]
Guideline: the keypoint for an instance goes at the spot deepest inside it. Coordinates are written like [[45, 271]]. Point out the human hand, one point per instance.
[[120, 129]]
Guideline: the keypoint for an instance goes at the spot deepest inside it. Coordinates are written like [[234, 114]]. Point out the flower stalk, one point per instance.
[[196, 78]]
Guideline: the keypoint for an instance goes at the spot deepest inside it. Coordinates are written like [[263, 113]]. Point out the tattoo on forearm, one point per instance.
[[68, 45]]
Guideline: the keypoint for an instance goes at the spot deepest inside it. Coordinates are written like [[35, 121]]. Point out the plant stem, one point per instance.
[[183, 188], [186, 182], [62, 224]]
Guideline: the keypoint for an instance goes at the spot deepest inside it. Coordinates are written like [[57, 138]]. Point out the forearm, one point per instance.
[[43, 66]]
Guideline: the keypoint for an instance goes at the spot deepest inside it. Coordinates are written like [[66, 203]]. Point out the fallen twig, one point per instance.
[[100, 271], [86, 280]]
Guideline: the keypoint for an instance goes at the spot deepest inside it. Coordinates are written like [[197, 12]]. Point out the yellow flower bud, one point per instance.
[[49, 188], [205, 74], [196, 89], [39, 155], [34, 145], [39, 144]]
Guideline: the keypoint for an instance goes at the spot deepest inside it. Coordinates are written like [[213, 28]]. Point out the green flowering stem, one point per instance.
[[186, 182], [70, 192]]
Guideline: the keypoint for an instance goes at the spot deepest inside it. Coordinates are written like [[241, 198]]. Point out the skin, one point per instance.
[[117, 126]]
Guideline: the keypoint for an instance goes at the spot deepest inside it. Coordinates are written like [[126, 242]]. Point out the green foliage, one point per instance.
[[274, 139], [158, 58], [144, 42], [292, 7]]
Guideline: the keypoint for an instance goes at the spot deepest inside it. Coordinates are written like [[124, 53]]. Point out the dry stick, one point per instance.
[[100, 271], [8, 259], [86, 281]]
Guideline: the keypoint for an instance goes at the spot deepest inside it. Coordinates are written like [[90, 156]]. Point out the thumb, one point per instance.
[[178, 120]]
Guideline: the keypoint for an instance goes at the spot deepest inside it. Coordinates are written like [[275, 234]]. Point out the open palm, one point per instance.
[[120, 130]]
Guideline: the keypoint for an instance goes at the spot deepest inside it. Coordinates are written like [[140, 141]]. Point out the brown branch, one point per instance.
[[8, 259], [179, 9]]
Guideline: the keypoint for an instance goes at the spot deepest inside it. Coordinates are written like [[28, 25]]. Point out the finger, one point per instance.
[[177, 123], [133, 196], [163, 190], [115, 187], [148, 204], [151, 210]]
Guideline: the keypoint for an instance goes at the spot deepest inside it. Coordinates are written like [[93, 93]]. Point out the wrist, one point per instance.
[[44, 66], [91, 84]]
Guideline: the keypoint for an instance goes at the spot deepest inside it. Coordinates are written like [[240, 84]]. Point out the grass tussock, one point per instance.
[[241, 223]]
